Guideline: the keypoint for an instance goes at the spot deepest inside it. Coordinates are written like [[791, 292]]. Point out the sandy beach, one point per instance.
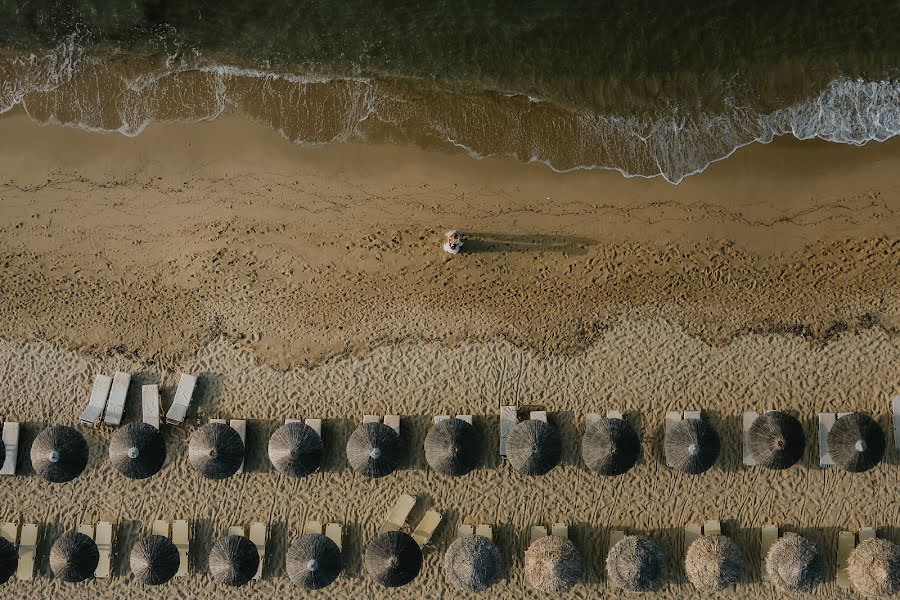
[[310, 282]]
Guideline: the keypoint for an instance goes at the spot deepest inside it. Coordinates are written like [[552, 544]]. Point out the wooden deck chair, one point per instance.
[[537, 532], [747, 421], [315, 425], [846, 544], [160, 528], [560, 530], [396, 519], [10, 532], [258, 537], [614, 414], [866, 533], [769, 536], [712, 527], [240, 425], [182, 400], [508, 420], [896, 410], [238, 530], [590, 418], [335, 533], [28, 538], [826, 422], [692, 531], [11, 442], [538, 415], [484, 531], [115, 405], [104, 536], [312, 527], [393, 421], [426, 527], [150, 405], [181, 537], [99, 394], [465, 530]]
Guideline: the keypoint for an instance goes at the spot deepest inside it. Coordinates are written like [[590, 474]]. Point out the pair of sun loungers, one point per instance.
[[396, 520], [509, 418], [482, 529], [104, 536], [26, 541], [333, 531], [846, 543], [180, 536], [692, 531], [11, 442], [256, 533], [108, 400], [240, 426], [557, 529], [392, 421]]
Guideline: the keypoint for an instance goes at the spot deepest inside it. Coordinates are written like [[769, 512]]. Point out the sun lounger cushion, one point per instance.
[[115, 405], [258, 537], [182, 400], [97, 402], [181, 537], [11, 443], [27, 544], [104, 538], [335, 533], [484, 531], [826, 422], [397, 517], [508, 420], [150, 405], [427, 527]]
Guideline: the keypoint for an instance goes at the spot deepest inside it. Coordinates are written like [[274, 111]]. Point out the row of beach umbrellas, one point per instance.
[[454, 447], [474, 563]]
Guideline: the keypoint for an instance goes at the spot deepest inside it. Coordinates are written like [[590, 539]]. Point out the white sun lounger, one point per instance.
[[590, 418], [27, 544], [560, 530], [182, 400], [537, 532], [371, 419], [769, 536], [614, 414], [484, 531], [896, 407], [426, 527], [466, 418], [692, 414], [150, 404], [104, 539], [315, 425], [746, 423], [440, 418], [672, 419], [160, 528], [11, 442], [465, 530], [99, 393], [240, 425], [335, 533], [508, 420], [846, 544], [538, 415], [396, 519], [10, 532], [615, 536], [393, 421], [181, 537], [258, 537], [692, 531], [115, 406], [312, 527], [86, 529], [238, 530], [712, 527], [826, 422], [866, 533]]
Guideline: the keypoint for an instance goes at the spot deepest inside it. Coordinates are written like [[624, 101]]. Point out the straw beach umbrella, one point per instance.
[[296, 450], [9, 560], [473, 563], [216, 451], [374, 450], [74, 557], [452, 447], [795, 564], [776, 440], [552, 564], [874, 568], [692, 446], [393, 559], [636, 564], [233, 560], [313, 562], [713, 562], [137, 450], [59, 454], [856, 442], [610, 446], [533, 447], [154, 560]]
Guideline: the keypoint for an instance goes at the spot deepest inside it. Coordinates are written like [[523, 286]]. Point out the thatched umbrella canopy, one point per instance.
[[636, 564], [374, 449], [233, 560], [453, 447], [74, 557], [552, 564], [473, 563], [874, 568], [137, 450], [296, 449], [610, 446], [795, 564], [692, 446], [776, 440], [856, 442], [713, 562], [9, 560], [216, 451], [314, 562], [154, 560], [533, 447], [59, 454], [393, 559]]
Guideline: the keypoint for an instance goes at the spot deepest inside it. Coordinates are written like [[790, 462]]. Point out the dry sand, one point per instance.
[[303, 282]]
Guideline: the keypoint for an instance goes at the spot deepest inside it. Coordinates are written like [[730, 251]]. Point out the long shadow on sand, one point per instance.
[[482, 242]]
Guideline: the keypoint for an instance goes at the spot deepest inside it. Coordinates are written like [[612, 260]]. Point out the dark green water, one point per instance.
[[648, 88]]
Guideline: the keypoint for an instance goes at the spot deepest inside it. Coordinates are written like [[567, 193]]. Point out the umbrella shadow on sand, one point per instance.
[[485, 242]]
